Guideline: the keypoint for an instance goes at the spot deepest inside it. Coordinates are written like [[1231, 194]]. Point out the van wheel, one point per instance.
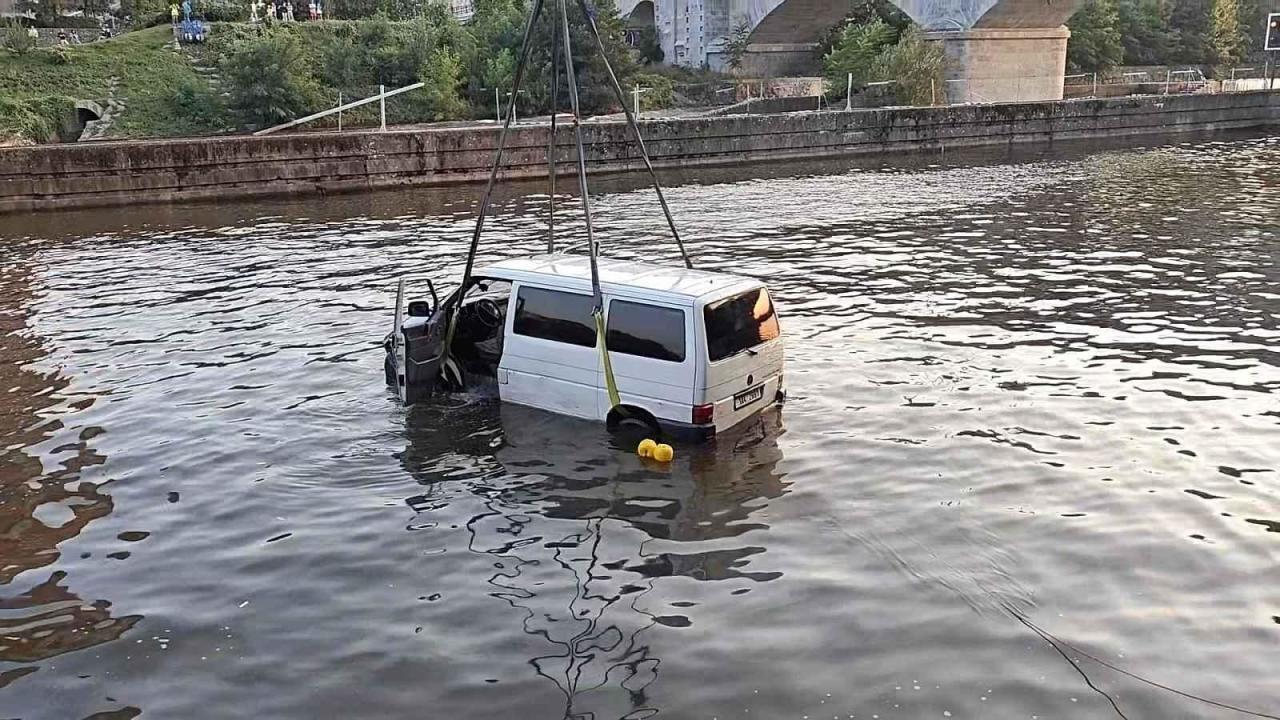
[[629, 420]]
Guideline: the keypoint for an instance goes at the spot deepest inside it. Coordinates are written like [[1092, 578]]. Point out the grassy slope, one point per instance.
[[147, 68]]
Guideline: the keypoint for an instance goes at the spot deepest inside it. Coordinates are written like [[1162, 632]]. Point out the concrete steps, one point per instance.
[[111, 109]]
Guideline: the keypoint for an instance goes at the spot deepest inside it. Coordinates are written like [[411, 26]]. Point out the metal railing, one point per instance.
[[380, 98]]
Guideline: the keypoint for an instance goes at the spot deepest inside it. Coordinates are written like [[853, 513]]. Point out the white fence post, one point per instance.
[[848, 94], [339, 111], [1095, 84], [382, 106]]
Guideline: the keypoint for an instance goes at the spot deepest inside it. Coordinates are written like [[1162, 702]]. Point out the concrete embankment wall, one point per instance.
[[113, 173]]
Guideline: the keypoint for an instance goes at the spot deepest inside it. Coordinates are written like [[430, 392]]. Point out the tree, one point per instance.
[[44, 11], [856, 53], [1189, 25], [1146, 32], [649, 48], [1095, 42], [145, 12], [267, 78], [875, 51], [16, 39], [1227, 37], [595, 93], [915, 65], [499, 70], [735, 46], [442, 76]]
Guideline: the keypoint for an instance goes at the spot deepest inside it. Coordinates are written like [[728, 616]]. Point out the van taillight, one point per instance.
[[703, 414]]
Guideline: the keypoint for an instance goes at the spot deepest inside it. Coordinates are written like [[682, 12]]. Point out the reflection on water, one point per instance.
[[575, 535], [1031, 383], [39, 508]]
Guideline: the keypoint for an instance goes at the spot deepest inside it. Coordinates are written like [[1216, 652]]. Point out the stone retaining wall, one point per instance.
[[114, 173]]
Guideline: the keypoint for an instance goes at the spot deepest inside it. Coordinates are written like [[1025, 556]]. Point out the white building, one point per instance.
[[692, 32]]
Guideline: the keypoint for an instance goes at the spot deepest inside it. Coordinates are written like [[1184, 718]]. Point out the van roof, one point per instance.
[[627, 275]]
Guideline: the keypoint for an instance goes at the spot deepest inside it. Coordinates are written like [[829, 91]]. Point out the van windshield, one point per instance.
[[740, 322]]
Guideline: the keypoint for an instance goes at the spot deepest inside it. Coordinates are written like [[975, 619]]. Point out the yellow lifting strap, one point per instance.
[[614, 399]]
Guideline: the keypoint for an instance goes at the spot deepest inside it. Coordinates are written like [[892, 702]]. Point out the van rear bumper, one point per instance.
[[686, 432]]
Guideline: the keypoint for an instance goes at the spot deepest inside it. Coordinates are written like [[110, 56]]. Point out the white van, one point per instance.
[[693, 352]]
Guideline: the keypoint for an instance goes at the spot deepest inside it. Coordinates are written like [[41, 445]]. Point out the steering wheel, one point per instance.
[[488, 313]]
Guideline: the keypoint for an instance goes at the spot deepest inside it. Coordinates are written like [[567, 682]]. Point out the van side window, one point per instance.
[[740, 322], [553, 315], [646, 330]]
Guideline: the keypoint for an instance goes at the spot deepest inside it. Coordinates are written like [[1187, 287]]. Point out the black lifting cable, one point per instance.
[[525, 47], [1058, 643], [551, 143], [635, 129], [570, 79]]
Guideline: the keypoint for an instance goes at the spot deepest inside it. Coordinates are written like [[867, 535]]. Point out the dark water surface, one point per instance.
[[1045, 386]]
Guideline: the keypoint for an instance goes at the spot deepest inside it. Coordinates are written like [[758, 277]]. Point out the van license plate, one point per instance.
[[746, 397]]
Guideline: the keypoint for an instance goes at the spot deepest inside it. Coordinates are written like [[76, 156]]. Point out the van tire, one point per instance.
[[637, 418]]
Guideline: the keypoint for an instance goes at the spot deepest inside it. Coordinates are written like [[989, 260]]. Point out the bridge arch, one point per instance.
[[997, 50], [791, 22]]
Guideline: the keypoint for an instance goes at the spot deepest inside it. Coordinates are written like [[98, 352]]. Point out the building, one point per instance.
[[692, 32]]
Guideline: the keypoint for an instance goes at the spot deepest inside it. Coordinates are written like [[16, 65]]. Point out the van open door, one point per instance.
[[415, 346]]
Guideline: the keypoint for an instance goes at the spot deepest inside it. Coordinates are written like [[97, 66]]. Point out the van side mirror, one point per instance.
[[419, 308]]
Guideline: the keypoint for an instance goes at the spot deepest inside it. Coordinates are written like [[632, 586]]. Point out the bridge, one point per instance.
[[997, 50]]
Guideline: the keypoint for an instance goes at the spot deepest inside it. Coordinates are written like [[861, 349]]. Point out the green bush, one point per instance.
[[443, 76], [37, 118], [857, 52], [146, 13], [267, 78], [223, 11], [915, 65], [16, 39], [661, 91], [1228, 40], [1096, 43], [874, 51], [649, 48], [195, 104], [75, 21]]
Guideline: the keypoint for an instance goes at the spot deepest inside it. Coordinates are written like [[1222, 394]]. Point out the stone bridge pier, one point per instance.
[[997, 50]]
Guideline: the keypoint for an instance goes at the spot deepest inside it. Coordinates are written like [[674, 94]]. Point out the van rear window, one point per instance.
[[646, 330], [740, 322], [553, 315]]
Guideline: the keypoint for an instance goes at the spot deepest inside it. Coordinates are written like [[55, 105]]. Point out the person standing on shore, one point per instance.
[[173, 13]]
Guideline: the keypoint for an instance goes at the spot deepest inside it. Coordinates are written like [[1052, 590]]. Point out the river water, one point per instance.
[[1030, 393]]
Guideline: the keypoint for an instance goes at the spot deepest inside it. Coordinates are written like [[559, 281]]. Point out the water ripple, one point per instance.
[[1039, 386]]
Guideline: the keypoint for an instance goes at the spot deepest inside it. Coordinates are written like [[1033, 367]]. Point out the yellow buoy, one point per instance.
[[663, 453], [646, 448]]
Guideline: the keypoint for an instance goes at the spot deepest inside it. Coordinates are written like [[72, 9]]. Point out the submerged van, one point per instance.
[[693, 352]]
